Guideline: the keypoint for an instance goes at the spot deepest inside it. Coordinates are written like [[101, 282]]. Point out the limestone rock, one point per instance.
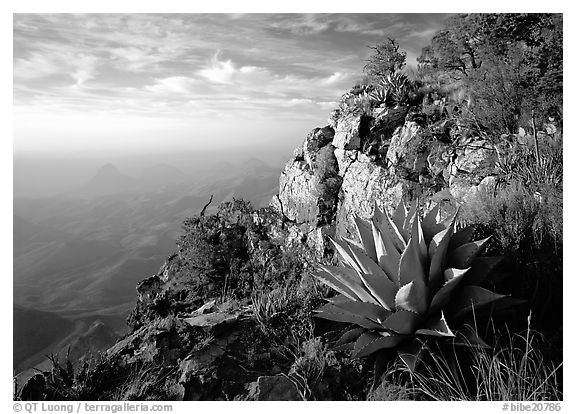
[[208, 307], [472, 162], [274, 388], [215, 322], [390, 118], [364, 184], [298, 192], [317, 139], [347, 135], [344, 159], [476, 157], [309, 186], [148, 289], [409, 150]]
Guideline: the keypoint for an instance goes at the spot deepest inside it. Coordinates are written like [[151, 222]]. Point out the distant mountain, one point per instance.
[[257, 166], [108, 180]]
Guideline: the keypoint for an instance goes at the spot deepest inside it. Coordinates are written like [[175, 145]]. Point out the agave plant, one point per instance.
[[381, 96], [404, 280]]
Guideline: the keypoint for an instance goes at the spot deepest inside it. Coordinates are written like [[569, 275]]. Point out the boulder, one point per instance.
[[409, 150], [477, 157], [347, 134], [389, 118], [148, 289], [274, 388], [309, 186], [473, 161], [364, 184], [317, 139], [298, 195], [214, 323]]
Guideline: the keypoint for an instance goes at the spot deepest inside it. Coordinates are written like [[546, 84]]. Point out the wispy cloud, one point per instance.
[[188, 68]]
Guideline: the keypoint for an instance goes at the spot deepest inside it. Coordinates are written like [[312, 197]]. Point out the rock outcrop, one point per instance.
[[384, 157]]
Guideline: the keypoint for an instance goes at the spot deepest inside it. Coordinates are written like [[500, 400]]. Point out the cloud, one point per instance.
[[171, 85], [36, 65], [218, 71], [188, 67], [85, 68]]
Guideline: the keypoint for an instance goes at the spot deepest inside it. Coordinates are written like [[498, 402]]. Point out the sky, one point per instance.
[[152, 82]]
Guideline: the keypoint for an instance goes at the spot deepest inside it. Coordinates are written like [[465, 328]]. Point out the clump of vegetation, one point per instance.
[[405, 280], [329, 183], [498, 67], [387, 59], [514, 369]]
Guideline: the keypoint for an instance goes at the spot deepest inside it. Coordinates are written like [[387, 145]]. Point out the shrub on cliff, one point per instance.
[[500, 66], [386, 59]]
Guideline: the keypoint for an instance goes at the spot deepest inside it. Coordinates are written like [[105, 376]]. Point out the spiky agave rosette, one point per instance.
[[402, 280]]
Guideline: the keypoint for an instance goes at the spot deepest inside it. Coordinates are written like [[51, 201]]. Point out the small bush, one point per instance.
[[521, 221]]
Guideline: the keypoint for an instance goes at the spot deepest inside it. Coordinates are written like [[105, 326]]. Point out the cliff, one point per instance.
[[379, 157]]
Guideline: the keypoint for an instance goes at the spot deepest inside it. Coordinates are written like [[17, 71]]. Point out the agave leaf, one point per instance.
[[353, 242], [475, 297], [453, 278], [407, 225], [435, 242], [413, 297], [374, 278], [370, 342], [400, 215], [333, 313], [462, 236], [344, 347], [375, 313], [328, 279], [364, 229], [402, 322], [452, 273], [430, 224], [391, 234], [418, 234], [346, 254], [438, 259], [412, 352], [351, 280], [481, 267], [436, 327], [388, 256], [411, 267], [350, 336], [338, 299], [463, 255]]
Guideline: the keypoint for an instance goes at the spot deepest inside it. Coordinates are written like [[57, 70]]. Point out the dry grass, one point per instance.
[[513, 370]]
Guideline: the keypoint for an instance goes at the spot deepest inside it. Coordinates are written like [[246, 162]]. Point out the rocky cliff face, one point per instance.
[[360, 159]]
